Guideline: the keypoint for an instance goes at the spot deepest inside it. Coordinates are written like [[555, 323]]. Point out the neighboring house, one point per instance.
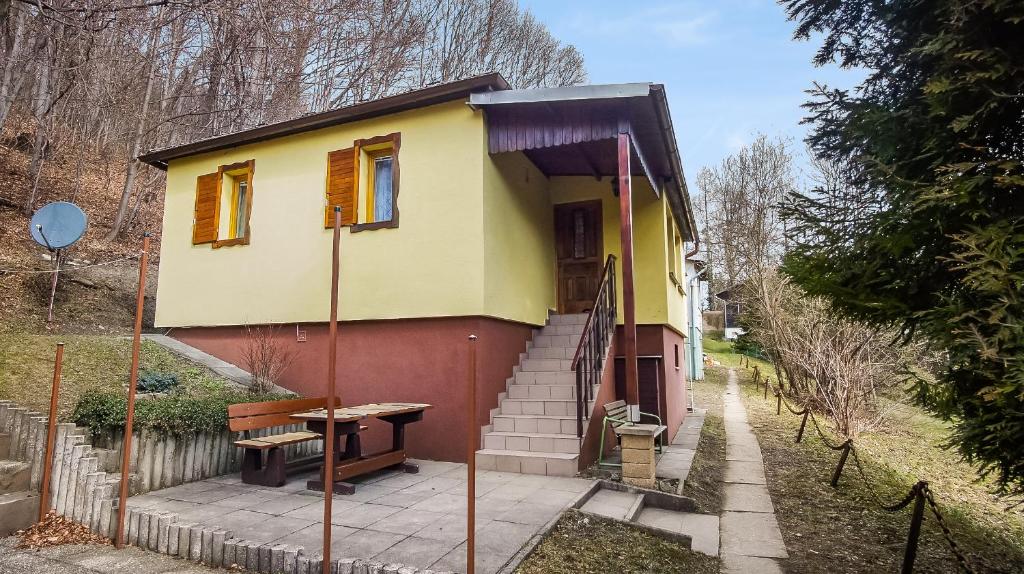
[[694, 317], [469, 208], [733, 311]]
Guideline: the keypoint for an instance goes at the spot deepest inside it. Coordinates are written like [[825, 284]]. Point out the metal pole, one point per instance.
[[471, 460], [915, 528], [126, 446], [51, 432], [53, 284], [332, 361]]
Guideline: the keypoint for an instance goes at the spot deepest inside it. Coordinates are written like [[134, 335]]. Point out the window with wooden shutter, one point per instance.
[[342, 185], [207, 213]]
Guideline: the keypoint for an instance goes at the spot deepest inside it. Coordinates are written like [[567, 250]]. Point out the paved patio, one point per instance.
[[415, 519]]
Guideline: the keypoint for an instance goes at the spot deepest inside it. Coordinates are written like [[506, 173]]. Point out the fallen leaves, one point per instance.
[[55, 530]]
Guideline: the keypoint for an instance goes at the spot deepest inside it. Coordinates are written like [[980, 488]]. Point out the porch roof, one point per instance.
[[572, 131]]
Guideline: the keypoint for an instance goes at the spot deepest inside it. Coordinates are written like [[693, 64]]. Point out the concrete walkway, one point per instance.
[[223, 368], [751, 541], [91, 559]]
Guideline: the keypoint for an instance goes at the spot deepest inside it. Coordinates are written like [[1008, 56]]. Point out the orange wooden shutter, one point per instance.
[[342, 185], [207, 215]]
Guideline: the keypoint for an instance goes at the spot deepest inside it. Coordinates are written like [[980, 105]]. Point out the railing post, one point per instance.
[[579, 407], [803, 423], [842, 462], [916, 518]]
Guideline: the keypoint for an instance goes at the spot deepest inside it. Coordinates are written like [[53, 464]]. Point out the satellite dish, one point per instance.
[[57, 225]]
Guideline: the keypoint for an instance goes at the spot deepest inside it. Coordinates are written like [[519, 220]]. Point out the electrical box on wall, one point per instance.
[[300, 334]]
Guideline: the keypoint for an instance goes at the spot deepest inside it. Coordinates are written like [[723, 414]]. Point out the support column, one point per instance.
[[628, 296]]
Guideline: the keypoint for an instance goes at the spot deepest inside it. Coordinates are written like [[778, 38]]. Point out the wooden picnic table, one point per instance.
[[349, 461]]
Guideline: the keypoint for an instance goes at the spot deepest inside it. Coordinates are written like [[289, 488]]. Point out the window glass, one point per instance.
[[382, 188], [241, 205]]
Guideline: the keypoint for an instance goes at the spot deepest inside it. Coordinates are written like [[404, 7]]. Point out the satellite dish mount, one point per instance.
[[57, 226]]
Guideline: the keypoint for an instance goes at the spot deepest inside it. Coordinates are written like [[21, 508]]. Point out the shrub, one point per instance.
[[177, 413], [156, 382]]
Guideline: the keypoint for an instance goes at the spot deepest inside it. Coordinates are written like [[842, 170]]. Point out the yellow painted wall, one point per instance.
[[676, 299], [655, 303], [431, 265], [519, 240]]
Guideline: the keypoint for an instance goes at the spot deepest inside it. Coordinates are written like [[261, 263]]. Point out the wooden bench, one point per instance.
[[615, 416], [264, 460]]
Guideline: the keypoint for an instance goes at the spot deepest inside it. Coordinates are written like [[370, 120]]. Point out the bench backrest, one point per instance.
[[616, 410], [250, 416]]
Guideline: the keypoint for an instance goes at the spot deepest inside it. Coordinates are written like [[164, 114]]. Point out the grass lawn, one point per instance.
[[843, 530], [91, 362], [581, 543], [704, 482]]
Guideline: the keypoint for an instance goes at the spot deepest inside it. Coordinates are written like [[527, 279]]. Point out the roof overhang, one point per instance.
[[571, 130], [409, 100]]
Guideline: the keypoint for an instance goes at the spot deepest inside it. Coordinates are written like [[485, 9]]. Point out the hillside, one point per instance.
[[98, 299]]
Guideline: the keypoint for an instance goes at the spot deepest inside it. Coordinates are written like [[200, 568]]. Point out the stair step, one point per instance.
[[701, 528], [551, 353], [526, 462], [555, 407], [557, 392], [15, 476], [543, 340], [533, 442], [18, 511], [546, 365], [549, 424], [545, 378], [572, 330], [613, 504], [568, 318]]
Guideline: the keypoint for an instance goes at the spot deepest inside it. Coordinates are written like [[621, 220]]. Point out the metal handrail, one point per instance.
[[591, 350]]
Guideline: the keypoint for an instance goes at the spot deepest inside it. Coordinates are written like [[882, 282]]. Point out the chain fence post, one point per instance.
[[766, 380], [803, 424], [917, 517], [757, 376], [842, 462], [778, 402]]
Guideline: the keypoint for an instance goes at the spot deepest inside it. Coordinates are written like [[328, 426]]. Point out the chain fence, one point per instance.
[[920, 494]]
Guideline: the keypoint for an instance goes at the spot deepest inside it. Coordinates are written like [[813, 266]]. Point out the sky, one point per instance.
[[731, 68]]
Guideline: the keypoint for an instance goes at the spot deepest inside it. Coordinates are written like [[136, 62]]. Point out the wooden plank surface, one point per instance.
[[360, 412], [278, 440]]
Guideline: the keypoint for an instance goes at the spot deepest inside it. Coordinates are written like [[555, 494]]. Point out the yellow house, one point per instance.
[[534, 219]]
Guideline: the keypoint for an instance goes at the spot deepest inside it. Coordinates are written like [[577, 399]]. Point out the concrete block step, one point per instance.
[[701, 528], [18, 511], [533, 442], [526, 462], [614, 504], [547, 424], [556, 407], [545, 378], [5, 445], [14, 476], [542, 340], [559, 392], [574, 329], [546, 365], [551, 353], [568, 319]]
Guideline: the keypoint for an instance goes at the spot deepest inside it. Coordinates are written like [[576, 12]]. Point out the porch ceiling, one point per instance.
[[573, 131]]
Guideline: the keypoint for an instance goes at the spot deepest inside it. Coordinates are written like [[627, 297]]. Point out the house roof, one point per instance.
[[642, 106], [392, 104], [572, 130]]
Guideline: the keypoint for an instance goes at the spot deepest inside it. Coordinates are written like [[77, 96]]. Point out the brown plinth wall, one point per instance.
[[409, 360], [652, 341]]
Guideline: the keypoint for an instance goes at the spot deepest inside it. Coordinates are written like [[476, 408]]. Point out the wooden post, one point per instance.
[[133, 380], [803, 423], [778, 402], [915, 528], [471, 441], [842, 462], [332, 362], [628, 292], [51, 432], [766, 381]]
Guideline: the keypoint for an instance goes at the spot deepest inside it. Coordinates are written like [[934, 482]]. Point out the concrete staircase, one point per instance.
[[533, 431], [19, 504]]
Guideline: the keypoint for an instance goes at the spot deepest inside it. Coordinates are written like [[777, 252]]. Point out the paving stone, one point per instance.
[[743, 471], [407, 521], [737, 564], [747, 498], [610, 503], [417, 552], [751, 534]]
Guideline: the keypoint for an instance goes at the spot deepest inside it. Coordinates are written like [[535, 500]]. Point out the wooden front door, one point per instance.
[[580, 251]]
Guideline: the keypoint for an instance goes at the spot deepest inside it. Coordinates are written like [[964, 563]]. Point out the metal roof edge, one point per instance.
[[562, 94]]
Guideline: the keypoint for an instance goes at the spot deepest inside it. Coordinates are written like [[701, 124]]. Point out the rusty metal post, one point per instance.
[[916, 518], [51, 432], [842, 462], [332, 362], [803, 424], [133, 380], [471, 430]]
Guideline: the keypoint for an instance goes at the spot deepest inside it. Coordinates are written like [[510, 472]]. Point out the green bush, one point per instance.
[[178, 413], [156, 382]]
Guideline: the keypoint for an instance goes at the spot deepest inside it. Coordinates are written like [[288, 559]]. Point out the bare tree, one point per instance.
[[265, 356]]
